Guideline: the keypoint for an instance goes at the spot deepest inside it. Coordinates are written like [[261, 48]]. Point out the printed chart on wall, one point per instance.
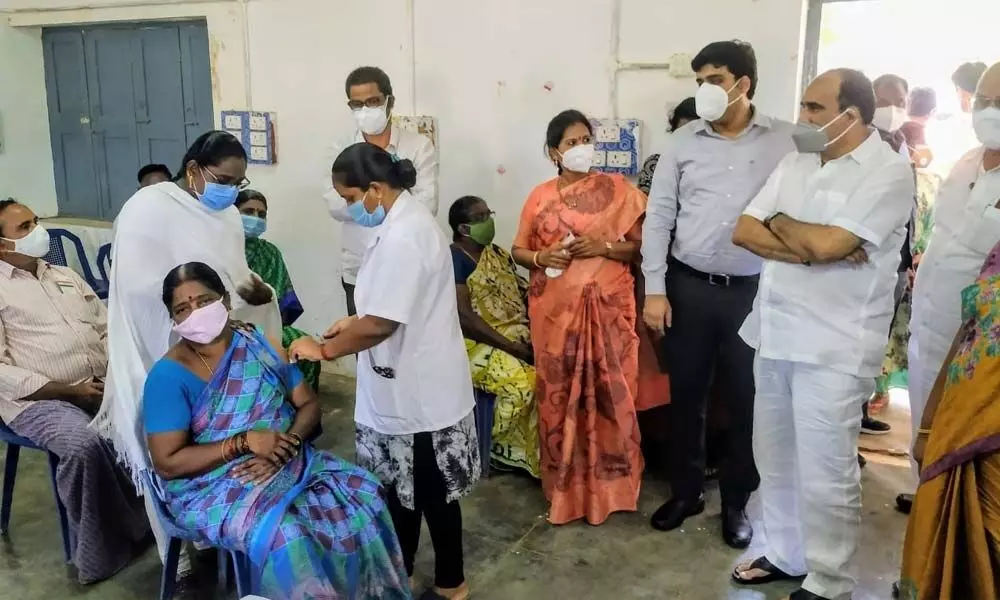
[[255, 130], [616, 142]]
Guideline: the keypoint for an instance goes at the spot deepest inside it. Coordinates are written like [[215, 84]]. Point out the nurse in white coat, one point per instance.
[[967, 226], [414, 423]]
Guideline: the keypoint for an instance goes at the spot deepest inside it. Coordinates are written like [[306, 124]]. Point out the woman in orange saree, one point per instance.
[[952, 548], [579, 234]]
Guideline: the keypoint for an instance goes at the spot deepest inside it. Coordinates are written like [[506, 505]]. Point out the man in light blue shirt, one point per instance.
[[700, 287]]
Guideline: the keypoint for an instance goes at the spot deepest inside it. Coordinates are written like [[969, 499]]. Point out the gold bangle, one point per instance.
[[534, 259]]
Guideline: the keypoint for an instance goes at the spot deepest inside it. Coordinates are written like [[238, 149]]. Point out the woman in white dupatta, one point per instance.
[[191, 219]]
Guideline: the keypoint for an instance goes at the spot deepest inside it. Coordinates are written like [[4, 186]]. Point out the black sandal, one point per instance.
[[762, 564]]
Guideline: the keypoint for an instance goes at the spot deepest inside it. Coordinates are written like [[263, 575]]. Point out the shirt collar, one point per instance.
[[393, 137], [759, 119], [7, 270], [868, 149]]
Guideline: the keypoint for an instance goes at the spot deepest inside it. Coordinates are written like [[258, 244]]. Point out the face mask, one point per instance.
[[986, 122], [35, 244], [253, 227], [579, 159], [204, 324], [809, 138], [483, 232], [889, 118], [372, 121], [711, 101], [217, 196], [361, 216]]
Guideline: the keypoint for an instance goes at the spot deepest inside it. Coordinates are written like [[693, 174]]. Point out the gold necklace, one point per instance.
[[211, 372]]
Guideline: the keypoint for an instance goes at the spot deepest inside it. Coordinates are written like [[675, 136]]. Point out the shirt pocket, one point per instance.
[[71, 302], [825, 206]]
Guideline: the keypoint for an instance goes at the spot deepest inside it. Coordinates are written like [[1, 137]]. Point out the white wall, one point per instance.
[[26, 156], [480, 68]]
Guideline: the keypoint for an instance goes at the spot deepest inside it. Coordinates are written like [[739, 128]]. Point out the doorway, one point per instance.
[[120, 97]]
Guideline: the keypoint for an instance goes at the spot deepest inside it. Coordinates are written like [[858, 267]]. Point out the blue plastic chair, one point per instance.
[[484, 427], [14, 445], [58, 239], [241, 563]]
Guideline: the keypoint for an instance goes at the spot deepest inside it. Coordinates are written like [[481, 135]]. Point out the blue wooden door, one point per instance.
[[136, 94]]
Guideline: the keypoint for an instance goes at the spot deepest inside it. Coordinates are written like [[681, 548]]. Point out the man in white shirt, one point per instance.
[[966, 227], [370, 98], [829, 223]]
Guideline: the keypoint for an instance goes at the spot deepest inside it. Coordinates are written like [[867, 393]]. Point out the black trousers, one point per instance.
[[704, 337], [352, 309], [444, 519]]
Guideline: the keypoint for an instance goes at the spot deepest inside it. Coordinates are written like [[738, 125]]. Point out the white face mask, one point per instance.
[[986, 122], [711, 101], [579, 159], [372, 121], [889, 118], [35, 244]]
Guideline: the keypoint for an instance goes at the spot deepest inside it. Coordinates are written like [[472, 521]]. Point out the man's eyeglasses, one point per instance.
[[982, 102], [373, 102]]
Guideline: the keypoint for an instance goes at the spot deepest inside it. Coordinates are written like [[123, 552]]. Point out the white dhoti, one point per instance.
[[807, 419]]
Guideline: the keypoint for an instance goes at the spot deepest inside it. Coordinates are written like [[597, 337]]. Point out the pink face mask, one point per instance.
[[204, 324]]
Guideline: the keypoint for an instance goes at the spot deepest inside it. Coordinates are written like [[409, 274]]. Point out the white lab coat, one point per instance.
[[967, 226]]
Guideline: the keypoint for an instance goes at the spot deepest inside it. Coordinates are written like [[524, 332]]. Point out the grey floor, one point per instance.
[[511, 552]]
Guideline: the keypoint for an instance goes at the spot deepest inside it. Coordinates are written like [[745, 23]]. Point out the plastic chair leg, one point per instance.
[[169, 580], [67, 532], [9, 475]]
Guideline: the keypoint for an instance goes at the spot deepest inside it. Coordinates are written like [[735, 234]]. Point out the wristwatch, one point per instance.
[[608, 248]]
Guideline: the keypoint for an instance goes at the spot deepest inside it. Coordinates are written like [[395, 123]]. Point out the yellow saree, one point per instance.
[[952, 549], [498, 294]]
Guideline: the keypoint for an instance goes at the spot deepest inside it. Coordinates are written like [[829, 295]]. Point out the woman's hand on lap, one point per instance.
[[255, 471], [276, 447], [305, 348]]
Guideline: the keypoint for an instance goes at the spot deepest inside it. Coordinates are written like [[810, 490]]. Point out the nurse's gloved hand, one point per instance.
[[306, 349]]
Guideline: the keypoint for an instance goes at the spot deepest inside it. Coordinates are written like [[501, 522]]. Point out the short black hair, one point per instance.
[[363, 75], [362, 164], [192, 271], [736, 55], [856, 90], [923, 102], [685, 110], [211, 148], [891, 79], [560, 123], [966, 77], [153, 168], [458, 213], [247, 195]]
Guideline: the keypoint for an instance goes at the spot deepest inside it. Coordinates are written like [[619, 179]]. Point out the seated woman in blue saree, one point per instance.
[[226, 417]]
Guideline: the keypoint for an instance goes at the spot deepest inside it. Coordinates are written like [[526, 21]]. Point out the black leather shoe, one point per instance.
[[673, 512], [904, 503], [736, 528]]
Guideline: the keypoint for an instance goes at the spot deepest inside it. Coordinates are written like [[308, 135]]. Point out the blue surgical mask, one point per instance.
[[217, 196], [364, 218], [253, 227]]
